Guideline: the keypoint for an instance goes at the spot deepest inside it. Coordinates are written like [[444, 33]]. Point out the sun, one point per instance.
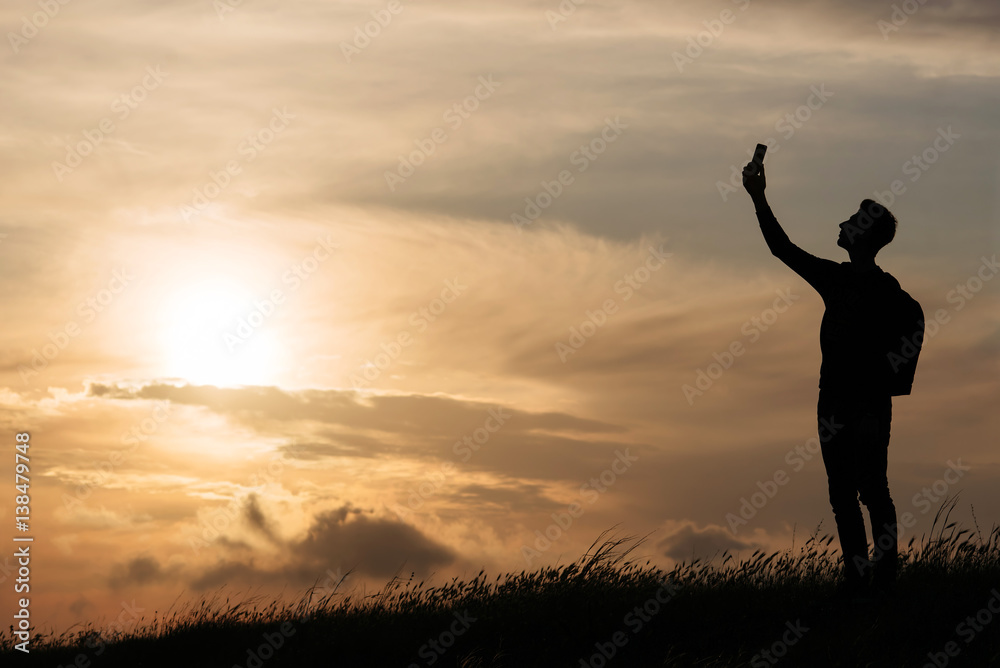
[[213, 334]]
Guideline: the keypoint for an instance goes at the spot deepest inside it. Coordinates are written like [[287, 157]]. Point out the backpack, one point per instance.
[[905, 336]]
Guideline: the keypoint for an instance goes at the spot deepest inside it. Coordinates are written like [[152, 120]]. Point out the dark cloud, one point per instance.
[[234, 572], [413, 413], [338, 444], [256, 519], [535, 445], [80, 606], [370, 545], [689, 543], [139, 571], [345, 539], [938, 19], [515, 497]]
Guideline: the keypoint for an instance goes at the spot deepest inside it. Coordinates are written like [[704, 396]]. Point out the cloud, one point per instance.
[[343, 538], [689, 542], [335, 444], [374, 546], [396, 413], [412, 426], [500, 499], [139, 572], [80, 606], [255, 517], [79, 516]]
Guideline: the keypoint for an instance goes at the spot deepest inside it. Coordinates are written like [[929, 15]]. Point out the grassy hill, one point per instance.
[[604, 610]]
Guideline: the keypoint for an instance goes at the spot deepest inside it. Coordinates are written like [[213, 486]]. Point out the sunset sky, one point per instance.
[[285, 298]]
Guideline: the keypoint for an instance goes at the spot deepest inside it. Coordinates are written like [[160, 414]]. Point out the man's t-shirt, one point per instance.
[[854, 336]]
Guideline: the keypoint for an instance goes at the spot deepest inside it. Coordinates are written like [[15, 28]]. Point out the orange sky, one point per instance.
[[284, 299]]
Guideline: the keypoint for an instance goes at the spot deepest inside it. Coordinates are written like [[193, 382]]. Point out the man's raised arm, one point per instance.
[[809, 267]]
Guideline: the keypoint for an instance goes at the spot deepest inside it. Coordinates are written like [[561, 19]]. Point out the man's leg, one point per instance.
[[873, 484], [840, 459]]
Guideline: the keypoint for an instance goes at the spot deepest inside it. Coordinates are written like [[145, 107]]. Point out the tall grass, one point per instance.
[[720, 612]]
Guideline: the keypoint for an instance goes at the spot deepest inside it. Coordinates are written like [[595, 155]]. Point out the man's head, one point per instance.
[[868, 230]]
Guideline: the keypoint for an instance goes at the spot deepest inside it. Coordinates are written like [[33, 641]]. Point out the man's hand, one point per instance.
[[754, 181]]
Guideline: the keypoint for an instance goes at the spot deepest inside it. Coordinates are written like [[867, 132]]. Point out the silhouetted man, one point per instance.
[[855, 396]]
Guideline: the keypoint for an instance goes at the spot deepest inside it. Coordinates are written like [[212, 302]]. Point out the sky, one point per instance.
[[302, 289]]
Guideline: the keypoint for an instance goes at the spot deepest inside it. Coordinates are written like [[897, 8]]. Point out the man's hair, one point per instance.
[[877, 221]]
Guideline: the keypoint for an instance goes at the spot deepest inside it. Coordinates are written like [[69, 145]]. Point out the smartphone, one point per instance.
[[758, 156]]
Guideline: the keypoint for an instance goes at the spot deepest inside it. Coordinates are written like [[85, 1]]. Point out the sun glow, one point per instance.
[[215, 335]]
